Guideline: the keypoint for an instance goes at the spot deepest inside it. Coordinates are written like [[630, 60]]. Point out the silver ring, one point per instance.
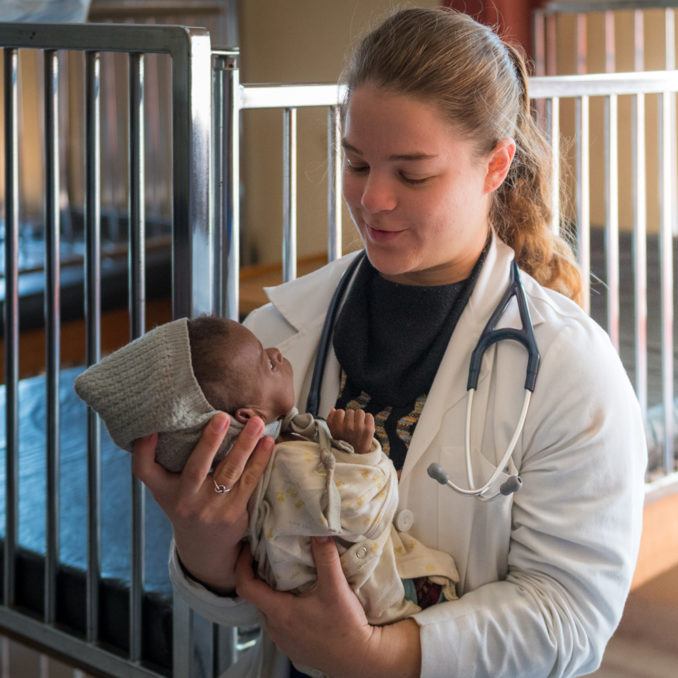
[[221, 489]]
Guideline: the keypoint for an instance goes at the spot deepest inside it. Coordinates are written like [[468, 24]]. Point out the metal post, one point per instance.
[[289, 194], [137, 311], [192, 252], [538, 40], [551, 44], [93, 331], [52, 324], [334, 183], [583, 196], [11, 68], [666, 268], [612, 218], [227, 182], [639, 249], [553, 117]]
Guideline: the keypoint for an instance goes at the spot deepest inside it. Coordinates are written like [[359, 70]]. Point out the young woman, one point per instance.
[[446, 177]]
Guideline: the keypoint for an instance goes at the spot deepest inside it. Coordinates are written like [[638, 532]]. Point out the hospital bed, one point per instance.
[[84, 548]]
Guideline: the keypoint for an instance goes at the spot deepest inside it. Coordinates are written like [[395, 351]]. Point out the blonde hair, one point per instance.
[[480, 84]]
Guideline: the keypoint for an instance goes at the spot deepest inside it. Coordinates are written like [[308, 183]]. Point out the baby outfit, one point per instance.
[[317, 486]]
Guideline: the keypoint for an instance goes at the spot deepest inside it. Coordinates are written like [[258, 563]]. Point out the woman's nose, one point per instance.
[[378, 195], [275, 355]]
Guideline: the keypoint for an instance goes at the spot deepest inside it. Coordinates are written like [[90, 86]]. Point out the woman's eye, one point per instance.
[[413, 181], [272, 364], [356, 168]]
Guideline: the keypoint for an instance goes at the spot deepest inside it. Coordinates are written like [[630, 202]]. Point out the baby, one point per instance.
[[324, 479]]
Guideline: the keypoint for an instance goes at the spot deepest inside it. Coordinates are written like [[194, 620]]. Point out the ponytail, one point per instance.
[[521, 213]]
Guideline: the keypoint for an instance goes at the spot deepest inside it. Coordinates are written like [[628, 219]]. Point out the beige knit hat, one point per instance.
[[148, 386]]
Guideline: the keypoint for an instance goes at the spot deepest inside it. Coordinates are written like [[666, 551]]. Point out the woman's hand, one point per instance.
[[326, 628], [208, 526]]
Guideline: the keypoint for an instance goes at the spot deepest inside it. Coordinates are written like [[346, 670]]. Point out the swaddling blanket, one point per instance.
[[316, 486]]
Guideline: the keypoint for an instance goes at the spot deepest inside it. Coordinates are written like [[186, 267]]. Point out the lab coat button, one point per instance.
[[361, 552], [404, 520]]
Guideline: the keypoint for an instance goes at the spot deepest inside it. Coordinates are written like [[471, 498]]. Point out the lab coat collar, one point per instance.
[[304, 300]]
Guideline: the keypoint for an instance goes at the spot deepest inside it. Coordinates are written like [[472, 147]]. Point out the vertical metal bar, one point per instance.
[[551, 44], [137, 311], [192, 222], [583, 195], [612, 218], [638, 40], [666, 268], [669, 65], [52, 323], [226, 643], [538, 40], [233, 198], [93, 324], [11, 318], [227, 181], [639, 220], [217, 185], [581, 49], [669, 39], [181, 638], [334, 183], [289, 194], [609, 41], [640, 249], [553, 117]]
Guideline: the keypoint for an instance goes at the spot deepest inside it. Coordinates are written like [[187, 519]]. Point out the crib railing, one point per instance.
[[189, 52], [206, 219]]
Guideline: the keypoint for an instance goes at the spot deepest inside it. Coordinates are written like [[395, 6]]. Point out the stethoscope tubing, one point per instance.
[[488, 337]]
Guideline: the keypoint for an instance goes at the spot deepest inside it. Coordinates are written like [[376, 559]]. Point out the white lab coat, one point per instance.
[[545, 571]]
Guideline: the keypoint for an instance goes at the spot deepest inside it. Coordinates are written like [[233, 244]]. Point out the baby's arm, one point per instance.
[[356, 427]]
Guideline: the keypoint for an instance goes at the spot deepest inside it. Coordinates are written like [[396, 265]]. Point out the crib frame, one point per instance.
[[206, 219]]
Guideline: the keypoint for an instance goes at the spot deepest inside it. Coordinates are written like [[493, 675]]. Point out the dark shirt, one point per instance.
[[389, 340]]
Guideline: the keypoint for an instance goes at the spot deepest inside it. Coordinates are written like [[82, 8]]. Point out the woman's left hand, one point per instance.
[[326, 627]]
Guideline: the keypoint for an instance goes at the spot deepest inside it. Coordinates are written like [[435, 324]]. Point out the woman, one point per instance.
[[446, 178]]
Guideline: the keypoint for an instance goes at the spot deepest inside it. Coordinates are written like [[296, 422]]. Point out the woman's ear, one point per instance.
[[243, 414], [499, 164]]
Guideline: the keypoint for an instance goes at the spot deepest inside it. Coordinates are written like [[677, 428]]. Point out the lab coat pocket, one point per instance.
[[454, 462]]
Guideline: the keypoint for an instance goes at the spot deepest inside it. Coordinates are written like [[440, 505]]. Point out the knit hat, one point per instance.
[[148, 386]]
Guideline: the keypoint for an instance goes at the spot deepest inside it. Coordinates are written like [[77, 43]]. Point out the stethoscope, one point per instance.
[[489, 336]]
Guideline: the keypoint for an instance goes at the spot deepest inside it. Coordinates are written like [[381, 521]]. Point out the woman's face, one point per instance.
[[416, 189]]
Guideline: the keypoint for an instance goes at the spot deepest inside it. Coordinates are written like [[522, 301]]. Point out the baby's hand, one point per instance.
[[355, 427]]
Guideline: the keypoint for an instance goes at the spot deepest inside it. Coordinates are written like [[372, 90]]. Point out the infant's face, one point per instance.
[[265, 374]]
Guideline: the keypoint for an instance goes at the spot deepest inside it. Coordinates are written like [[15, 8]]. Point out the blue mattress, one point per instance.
[[115, 527], [115, 489]]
